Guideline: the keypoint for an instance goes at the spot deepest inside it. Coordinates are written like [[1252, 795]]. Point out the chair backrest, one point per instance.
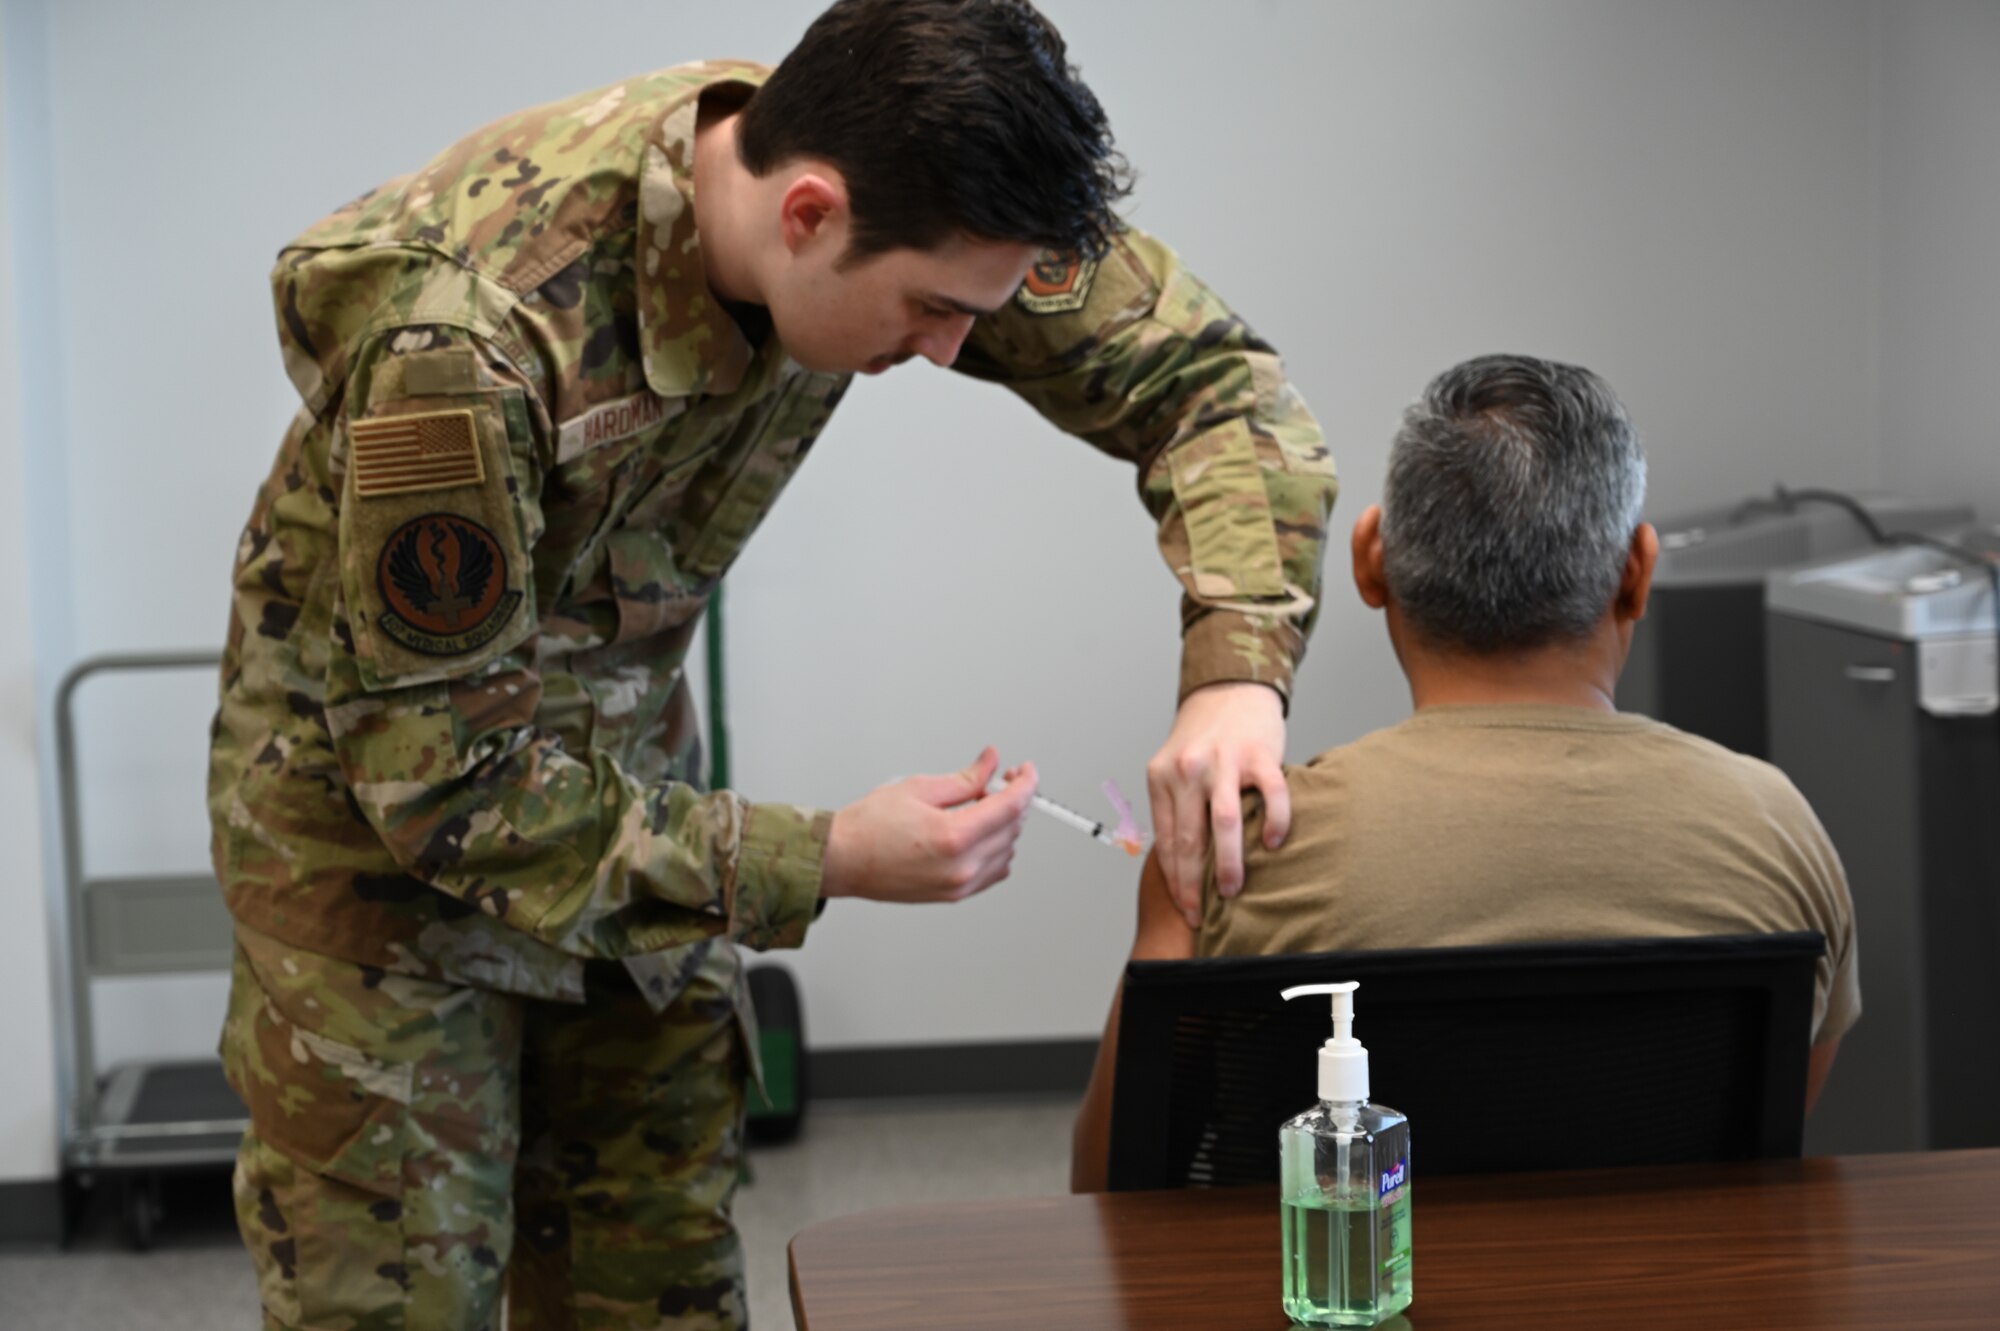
[[1527, 1056]]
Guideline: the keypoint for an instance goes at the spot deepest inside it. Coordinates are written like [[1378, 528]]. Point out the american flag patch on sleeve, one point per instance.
[[433, 450]]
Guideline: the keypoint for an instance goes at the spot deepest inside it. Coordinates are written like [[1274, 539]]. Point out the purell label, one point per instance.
[[1392, 1179]]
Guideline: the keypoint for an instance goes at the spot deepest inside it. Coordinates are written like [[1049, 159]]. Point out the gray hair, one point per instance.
[[1513, 491]]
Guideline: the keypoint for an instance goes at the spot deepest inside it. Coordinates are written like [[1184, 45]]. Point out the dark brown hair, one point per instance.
[[944, 117]]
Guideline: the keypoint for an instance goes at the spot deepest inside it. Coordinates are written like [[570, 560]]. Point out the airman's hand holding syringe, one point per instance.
[[929, 838], [945, 838]]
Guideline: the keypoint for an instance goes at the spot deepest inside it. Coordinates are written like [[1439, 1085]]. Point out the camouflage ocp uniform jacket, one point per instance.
[[455, 737]]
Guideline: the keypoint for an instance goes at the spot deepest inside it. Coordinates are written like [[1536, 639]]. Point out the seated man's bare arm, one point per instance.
[[1818, 1064], [1163, 935]]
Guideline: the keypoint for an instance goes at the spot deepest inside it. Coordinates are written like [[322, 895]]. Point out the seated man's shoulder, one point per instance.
[[1321, 790], [1332, 772], [1678, 776], [1362, 776], [1700, 751], [1376, 746], [1703, 767]]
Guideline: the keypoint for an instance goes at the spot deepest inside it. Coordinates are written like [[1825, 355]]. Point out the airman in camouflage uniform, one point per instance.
[[488, 1013]]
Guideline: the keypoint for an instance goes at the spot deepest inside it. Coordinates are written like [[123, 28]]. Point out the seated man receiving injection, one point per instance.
[[1517, 804]]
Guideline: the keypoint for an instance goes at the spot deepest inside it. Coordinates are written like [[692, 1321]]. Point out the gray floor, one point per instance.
[[851, 1157]]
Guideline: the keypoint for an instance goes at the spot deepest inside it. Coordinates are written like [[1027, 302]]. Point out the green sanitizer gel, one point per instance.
[[1344, 1175]]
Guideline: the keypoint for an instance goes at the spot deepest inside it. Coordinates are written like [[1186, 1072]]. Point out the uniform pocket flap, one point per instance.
[[326, 1105], [1233, 543]]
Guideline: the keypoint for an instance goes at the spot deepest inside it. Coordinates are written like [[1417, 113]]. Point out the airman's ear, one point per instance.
[[813, 209]]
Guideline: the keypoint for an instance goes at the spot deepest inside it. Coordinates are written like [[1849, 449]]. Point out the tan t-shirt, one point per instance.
[[1471, 825]]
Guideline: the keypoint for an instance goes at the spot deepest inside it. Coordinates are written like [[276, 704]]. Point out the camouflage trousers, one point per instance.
[[415, 1147]]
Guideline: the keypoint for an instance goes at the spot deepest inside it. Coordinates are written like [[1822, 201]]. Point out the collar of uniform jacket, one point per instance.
[[688, 342]]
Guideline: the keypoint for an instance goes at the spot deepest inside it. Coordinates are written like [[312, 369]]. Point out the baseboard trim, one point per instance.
[[1037, 1067], [31, 1213]]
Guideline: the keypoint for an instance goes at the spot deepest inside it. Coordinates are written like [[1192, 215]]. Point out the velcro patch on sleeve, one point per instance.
[[1065, 312], [1057, 283], [443, 581], [431, 450], [433, 536]]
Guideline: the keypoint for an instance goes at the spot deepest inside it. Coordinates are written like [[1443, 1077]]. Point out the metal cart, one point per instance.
[[138, 1121]]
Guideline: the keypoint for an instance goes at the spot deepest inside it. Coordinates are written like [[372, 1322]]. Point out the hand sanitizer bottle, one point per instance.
[[1344, 1175]]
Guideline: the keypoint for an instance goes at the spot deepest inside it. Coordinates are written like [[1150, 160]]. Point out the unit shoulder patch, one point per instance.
[[443, 582], [1057, 284]]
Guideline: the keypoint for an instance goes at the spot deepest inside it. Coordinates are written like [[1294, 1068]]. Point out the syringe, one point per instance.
[[1062, 813], [1131, 844]]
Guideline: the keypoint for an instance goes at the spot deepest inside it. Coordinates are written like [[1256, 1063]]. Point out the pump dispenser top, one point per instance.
[[1343, 1062]]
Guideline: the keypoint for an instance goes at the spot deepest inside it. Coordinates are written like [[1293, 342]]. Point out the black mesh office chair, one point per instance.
[[1535, 1056]]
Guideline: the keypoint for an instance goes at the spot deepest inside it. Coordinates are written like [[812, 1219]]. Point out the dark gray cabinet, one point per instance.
[[1906, 778]]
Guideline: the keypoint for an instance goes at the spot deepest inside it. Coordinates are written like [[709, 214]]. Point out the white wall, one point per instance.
[[28, 1100], [1678, 196], [1940, 62], [1681, 196]]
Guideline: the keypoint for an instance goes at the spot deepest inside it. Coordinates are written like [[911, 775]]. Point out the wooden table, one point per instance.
[[1899, 1241]]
